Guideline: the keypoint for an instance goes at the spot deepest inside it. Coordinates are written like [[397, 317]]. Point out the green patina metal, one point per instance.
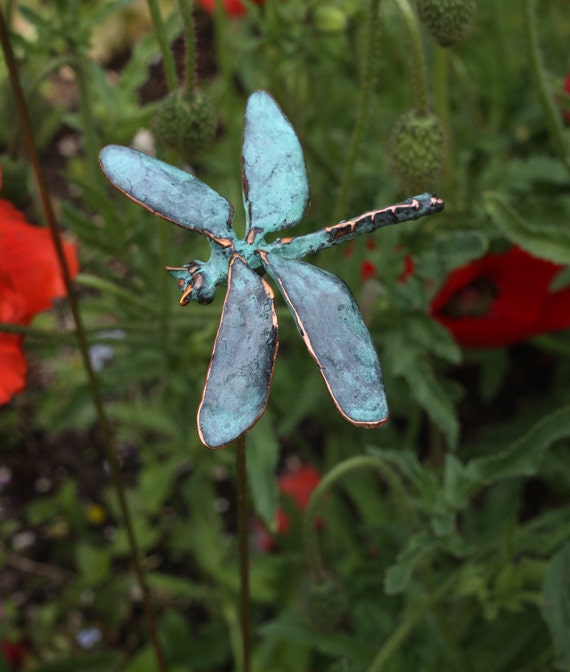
[[276, 196]]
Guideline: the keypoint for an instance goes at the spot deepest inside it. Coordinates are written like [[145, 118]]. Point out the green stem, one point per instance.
[[167, 58], [241, 474], [551, 114], [91, 141], [187, 13], [221, 42], [407, 625], [363, 104], [453, 650], [313, 553], [417, 60], [104, 425], [441, 106]]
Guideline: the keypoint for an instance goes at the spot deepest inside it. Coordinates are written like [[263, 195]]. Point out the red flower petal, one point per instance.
[[12, 366], [27, 255], [299, 486], [14, 653], [29, 279], [231, 7], [519, 304]]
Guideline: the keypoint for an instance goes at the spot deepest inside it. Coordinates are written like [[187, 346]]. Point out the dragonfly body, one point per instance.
[[194, 276], [276, 196]]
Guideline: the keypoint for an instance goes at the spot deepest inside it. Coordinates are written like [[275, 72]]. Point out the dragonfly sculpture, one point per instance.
[[276, 197]]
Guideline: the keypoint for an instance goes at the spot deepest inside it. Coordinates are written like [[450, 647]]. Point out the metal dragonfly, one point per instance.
[[276, 196]]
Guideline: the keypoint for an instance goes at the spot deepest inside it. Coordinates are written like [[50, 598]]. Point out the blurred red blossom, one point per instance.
[[29, 279], [14, 654], [566, 112], [502, 299], [231, 7], [298, 485]]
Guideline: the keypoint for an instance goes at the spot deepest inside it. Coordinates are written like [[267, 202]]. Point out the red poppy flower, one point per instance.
[[14, 653], [29, 279], [298, 485], [502, 299], [566, 112], [231, 7]]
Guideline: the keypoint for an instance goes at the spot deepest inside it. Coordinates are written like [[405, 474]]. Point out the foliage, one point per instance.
[[445, 533]]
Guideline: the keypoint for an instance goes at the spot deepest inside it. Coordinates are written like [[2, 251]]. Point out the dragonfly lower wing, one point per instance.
[[241, 368], [331, 325]]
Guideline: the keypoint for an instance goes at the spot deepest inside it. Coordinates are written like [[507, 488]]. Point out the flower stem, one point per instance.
[[167, 58], [363, 104], [313, 553], [241, 474], [104, 425], [187, 13], [551, 114], [407, 625], [417, 60]]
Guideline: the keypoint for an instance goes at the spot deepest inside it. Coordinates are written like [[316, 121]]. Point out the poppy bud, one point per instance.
[[448, 21], [329, 19], [324, 602], [185, 124], [417, 147]]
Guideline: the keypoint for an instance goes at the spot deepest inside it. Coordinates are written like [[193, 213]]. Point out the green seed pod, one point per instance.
[[418, 149], [187, 125], [324, 603], [330, 19], [449, 21]]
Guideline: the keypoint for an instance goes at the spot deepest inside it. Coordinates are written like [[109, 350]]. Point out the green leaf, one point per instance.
[[556, 605], [457, 248], [94, 563], [104, 662], [433, 397], [549, 240], [262, 456], [523, 457], [417, 548]]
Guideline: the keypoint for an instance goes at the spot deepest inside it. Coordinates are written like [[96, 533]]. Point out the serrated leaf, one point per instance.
[[556, 605], [544, 239], [431, 395], [432, 336], [523, 457], [457, 248], [262, 449], [419, 546], [146, 417]]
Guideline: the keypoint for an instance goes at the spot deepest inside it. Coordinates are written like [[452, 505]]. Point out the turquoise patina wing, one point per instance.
[[241, 368], [333, 329], [275, 186], [168, 192]]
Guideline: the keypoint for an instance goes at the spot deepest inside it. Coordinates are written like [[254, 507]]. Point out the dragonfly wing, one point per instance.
[[241, 368], [331, 325], [168, 191], [275, 186]]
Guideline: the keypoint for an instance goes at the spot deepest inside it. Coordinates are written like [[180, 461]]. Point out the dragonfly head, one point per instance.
[[193, 282]]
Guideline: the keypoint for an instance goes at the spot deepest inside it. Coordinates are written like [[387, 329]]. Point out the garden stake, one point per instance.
[[243, 536], [276, 196], [103, 420]]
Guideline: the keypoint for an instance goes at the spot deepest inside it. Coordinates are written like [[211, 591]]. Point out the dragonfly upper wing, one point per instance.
[[167, 191], [241, 368], [275, 186], [337, 338]]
